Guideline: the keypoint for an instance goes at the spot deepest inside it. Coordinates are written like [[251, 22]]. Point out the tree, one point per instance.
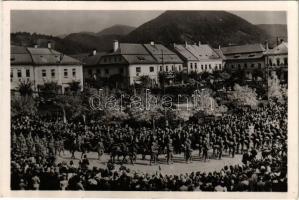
[[49, 90], [23, 105], [145, 81], [275, 90], [243, 96], [75, 87], [162, 78], [25, 88]]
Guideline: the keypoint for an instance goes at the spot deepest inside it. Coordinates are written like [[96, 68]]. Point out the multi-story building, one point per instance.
[[199, 58], [277, 60], [41, 65], [247, 57], [129, 62]]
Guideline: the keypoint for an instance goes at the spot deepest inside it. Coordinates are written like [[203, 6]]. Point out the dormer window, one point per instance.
[[140, 58], [251, 55], [236, 56]]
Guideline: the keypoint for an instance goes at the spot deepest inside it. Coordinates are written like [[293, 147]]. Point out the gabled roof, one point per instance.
[[131, 48], [19, 55], [162, 54], [219, 53], [202, 52], [40, 56], [45, 56], [282, 48], [93, 59], [247, 48], [187, 55]]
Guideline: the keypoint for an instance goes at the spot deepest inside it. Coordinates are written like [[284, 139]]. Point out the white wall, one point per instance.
[[36, 75]]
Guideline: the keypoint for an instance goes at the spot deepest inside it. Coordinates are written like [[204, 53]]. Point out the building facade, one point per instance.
[[248, 58], [42, 65], [199, 58], [277, 60]]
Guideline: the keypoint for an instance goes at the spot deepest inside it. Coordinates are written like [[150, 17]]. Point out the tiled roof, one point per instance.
[[128, 48], [94, 59], [243, 56], [282, 48], [45, 56], [184, 52], [248, 48], [20, 55], [162, 54], [39, 56], [202, 52], [219, 53], [139, 59]]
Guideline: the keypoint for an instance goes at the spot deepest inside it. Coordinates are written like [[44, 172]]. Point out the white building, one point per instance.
[[199, 58], [41, 65]]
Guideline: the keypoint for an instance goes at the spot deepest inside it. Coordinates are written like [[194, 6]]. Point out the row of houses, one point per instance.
[[132, 61]]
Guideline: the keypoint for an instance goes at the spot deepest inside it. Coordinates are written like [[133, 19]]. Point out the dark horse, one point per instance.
[[123, 150]]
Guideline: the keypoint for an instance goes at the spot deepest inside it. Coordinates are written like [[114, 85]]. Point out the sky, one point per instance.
[[66, 22]]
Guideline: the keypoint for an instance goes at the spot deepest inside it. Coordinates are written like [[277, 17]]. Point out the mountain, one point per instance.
[[100, 43], [212, 27], [279, 31], [60, 44], [116, 30]]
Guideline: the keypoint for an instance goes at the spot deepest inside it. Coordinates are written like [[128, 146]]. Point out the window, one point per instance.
[[277, 61], [19, 73], [180, 68], [206, 67], [259, 65], [115, 59], [121, 70], [195, 65], [201, 67], [65, 73], [220, 66], [166, 68], [232, 66], [270, 62], [152, 69], [11, 73], [74, 72], [161, 69], [53, 72], [216, 67], [210, 66], [245, 65], [252, 65], [239, 66], [98, 71], [191, 65], [285, 61], [172, 68], [90, 72], [44, 73], [27, 73], [107, 71], [138, 69], [105, 59]]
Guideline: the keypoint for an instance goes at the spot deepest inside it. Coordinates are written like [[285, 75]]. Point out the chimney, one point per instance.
[[219, 47], [281, 41], [186, 44], [94, 52], [115, 45], [152, 43], [49, 45], [199, 43], [35, 46]]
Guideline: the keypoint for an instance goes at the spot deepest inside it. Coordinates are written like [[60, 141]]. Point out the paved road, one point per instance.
[[178, 167]]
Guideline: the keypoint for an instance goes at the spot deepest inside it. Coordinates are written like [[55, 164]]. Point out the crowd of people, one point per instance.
[[36, 142]]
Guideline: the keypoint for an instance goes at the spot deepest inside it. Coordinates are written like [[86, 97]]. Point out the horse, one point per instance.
[[118, 150]]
